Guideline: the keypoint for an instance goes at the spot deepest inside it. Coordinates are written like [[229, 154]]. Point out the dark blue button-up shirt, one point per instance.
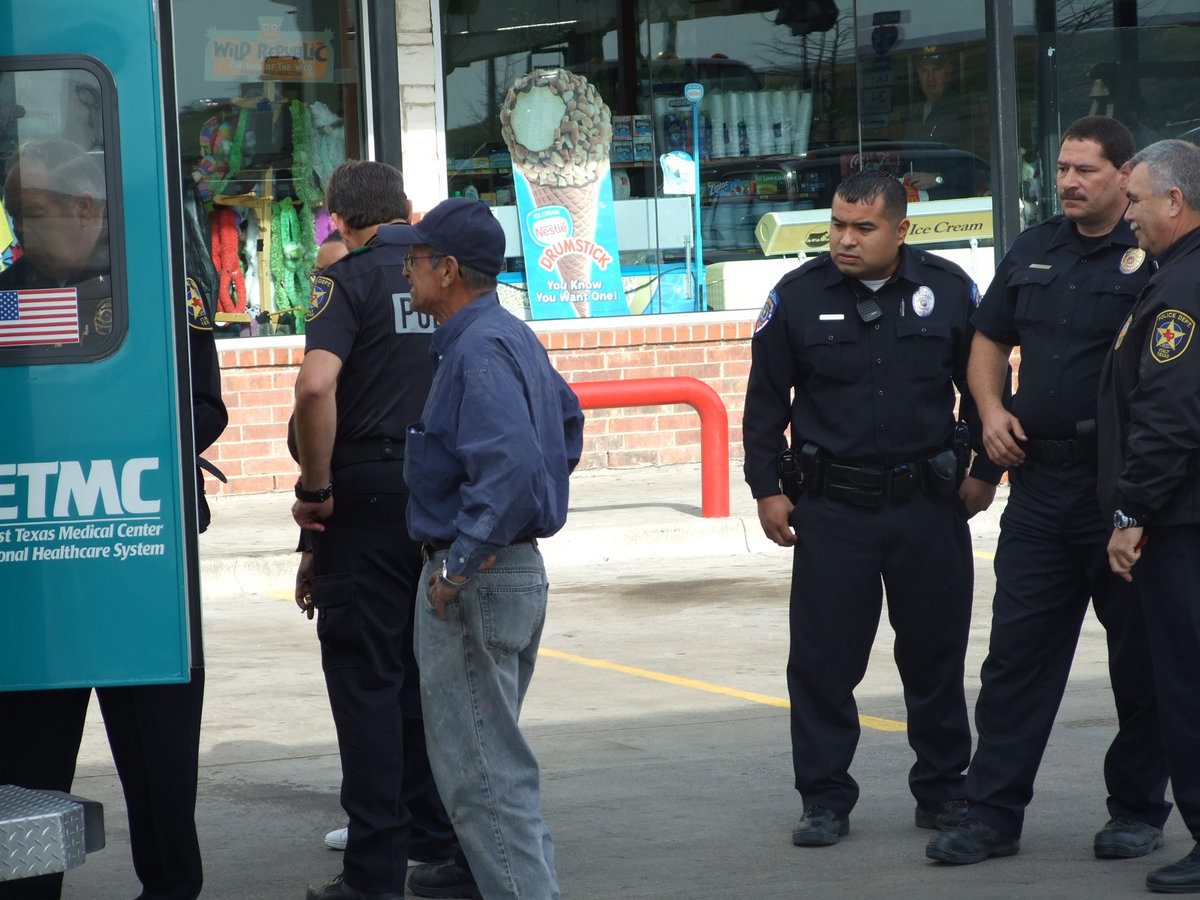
[[501, 432]]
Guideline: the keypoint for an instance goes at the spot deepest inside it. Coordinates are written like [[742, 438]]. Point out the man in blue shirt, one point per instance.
[[487, 467]]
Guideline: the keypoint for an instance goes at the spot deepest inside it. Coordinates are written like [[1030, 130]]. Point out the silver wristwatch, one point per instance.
[[1122, 520], [444, 577]]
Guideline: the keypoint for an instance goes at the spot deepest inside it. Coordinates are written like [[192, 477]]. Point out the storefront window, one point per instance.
[[1133, 60], [795, 96], [62, 284], [270, 102]]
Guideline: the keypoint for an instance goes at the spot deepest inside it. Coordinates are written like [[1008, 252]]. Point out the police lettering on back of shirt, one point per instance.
[[356, 314]]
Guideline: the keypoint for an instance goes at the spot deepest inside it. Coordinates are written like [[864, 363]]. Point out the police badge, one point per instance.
[[1132, 260], [922, 301]]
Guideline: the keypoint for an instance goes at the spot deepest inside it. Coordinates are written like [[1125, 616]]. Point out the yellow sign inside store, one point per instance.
[[932, 222], [270, 54]]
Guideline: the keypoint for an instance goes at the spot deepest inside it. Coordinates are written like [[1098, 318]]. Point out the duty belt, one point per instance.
[[350, 453], [1065, 451], [1076, 449], [870, 486]]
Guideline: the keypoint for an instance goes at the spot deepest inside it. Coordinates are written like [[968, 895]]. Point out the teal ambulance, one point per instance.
[[98, 559]]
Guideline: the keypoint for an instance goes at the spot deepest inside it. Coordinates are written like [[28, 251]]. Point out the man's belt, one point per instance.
[[350, 453], [870, 486], [1077, 449], [1064, 451], [428, 548]]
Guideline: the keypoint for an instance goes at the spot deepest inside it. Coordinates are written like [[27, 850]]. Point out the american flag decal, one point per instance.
[[39, 316]]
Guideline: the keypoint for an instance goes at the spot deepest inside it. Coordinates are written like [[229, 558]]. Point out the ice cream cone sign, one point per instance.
[[558, 130]]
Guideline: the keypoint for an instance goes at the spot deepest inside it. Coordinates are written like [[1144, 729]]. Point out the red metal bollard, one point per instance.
[[714, 424]]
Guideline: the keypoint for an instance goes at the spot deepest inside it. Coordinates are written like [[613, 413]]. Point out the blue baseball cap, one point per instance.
[[459, 227]]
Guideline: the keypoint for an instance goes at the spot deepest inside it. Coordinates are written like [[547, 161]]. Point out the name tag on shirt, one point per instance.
[[831, 317], [408, 320]]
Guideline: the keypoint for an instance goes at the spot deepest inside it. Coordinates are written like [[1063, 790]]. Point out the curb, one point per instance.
[[275, 571]]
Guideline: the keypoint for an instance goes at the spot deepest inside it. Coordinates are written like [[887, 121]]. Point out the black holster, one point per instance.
[[943, 472], [788, 468]]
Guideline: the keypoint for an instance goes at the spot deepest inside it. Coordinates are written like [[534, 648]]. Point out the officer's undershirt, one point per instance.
[[874, 285]]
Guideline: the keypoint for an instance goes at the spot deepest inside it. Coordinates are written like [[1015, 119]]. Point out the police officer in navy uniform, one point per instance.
[[365, 376], [1150, 463], [1060, 293], [153, 729], [872, 339]]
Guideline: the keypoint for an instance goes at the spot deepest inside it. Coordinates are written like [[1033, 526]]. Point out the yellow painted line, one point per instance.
[[766, 699], [983, 554], [873, 722]]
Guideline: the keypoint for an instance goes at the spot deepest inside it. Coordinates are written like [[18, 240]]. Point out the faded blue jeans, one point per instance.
[[475, 667]]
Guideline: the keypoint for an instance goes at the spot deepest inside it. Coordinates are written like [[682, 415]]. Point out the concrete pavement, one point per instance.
[[658, 713]]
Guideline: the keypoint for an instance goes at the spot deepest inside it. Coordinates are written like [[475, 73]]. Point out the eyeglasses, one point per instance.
[[409, 258]]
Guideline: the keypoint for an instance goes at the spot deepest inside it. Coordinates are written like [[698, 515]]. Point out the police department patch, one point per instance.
[[102, 321], [197, 313], [1171, 335], [976, 297], [321, 295], [768, 310], [1124, 331]]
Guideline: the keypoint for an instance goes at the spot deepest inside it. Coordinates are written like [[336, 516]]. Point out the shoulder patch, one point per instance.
[[197, 313], [976, 297], [768, 310], [321, 295], [1124, 331], [1171, 335]]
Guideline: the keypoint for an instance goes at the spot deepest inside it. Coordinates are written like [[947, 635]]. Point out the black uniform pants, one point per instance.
[[1051, 558], [365, 570], [845, 556], [154, 733], [1168, 579]]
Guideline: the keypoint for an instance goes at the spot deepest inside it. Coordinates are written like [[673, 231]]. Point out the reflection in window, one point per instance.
[[1133, 61], [269, 104], [57, 298]]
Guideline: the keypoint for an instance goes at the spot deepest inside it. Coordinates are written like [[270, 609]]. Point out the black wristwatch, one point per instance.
[[1122, 520], [317, 496]]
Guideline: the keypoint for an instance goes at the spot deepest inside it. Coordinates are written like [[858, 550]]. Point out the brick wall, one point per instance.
[[258, 376]]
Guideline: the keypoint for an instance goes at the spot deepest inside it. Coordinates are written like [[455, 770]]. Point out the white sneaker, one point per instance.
[[336, 839]]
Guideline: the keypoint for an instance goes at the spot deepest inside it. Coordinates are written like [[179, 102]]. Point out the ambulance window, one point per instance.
[[62, 296]]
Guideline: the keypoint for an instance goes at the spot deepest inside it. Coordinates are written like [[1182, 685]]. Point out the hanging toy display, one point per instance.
[[231, 296], [302, 156], [253, 292], [221, 144], [288, 268], [329, 141]]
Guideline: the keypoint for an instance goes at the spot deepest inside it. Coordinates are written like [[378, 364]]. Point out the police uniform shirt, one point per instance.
[[1061, 297], [1149, 403], [875, 393], [361, 312]]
